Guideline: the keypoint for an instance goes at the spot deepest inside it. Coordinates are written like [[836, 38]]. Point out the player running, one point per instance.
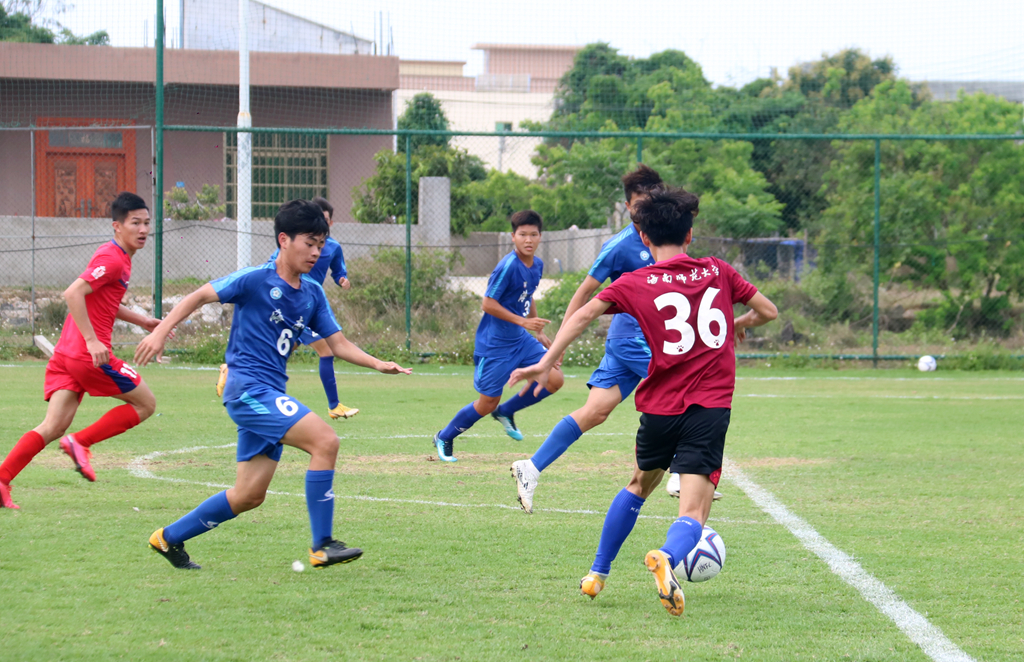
[[331, 257], [626, 352], [502, 339], [684, 307], [274, 304], [83, 361]]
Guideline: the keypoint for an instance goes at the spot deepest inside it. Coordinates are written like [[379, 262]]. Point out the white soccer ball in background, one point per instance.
[[926, 364], [706, 559]]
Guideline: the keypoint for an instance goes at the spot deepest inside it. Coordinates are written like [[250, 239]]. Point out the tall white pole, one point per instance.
[[244, 165]]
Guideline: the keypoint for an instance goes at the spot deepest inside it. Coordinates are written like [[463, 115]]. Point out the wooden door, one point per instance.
[[80, 171], [82, 185]]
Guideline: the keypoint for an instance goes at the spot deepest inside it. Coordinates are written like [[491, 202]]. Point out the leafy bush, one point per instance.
[[178, 206], [556, 300]]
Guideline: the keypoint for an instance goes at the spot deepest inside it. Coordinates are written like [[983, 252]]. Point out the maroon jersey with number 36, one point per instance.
[[684, 306]]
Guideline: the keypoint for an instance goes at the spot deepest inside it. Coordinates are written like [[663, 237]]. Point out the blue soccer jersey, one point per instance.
[[623, 253], [512, 285], [331, 257], [269, 317]]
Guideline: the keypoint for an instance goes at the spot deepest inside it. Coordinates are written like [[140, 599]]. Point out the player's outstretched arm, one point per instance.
[[762, 311], [345, 350], [495, 309], [583, 294], [569, 332], [152, 345]]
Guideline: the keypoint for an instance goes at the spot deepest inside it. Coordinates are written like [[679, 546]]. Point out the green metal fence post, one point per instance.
[[878, 226], [640, 149], [408, 242], [158, 168]]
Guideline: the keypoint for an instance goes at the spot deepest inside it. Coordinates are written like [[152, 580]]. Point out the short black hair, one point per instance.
[[124, 204], [666, 215], [297, 217], [324, 205], [642, 180], [526, 217]]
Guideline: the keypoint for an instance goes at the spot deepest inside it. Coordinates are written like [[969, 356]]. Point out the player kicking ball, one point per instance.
[[503, 341], [626, 351], [274, 304], [684, 307], [83, 361], [333, 258]]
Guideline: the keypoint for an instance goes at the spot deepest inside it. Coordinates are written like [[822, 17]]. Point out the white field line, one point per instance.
[[880, 396], [917, 628], [139, 468]]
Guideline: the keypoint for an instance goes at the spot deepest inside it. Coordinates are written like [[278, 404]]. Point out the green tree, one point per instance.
[[16, 24], [951, 210], [423, 112], [381, 197]]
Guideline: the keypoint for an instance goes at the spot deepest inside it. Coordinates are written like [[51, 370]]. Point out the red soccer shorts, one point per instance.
[[67, 374]]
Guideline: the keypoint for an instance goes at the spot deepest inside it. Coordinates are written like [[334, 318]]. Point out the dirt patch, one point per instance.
[[779, 462]]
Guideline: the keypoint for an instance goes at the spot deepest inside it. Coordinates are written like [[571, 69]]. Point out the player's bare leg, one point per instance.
[[313, 435], [526, 473], [337, 410], [140, 405], [60, 412]]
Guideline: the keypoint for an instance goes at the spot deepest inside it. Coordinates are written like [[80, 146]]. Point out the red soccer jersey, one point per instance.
[[684, 306], [108, 273]]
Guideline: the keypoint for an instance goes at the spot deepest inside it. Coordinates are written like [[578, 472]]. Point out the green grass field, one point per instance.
[[919, 478]]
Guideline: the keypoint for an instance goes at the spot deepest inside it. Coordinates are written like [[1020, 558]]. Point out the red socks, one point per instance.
[[27, 448], [111, 424]]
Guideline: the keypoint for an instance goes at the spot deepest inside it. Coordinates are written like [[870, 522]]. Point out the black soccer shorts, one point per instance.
[[689, 443]]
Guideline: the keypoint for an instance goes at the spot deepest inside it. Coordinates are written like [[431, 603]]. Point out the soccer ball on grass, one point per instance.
[[706, 559], [926, 364]]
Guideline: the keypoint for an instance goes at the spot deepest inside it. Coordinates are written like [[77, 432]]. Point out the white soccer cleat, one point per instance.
[[526, 476], [672, 487]]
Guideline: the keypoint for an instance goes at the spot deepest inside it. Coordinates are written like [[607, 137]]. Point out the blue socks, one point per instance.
[[683, 536], [216, 510], [329, 381], [205, 517], [562, 436], [618, 524], [464, 420], [517, 402], [320, 503]]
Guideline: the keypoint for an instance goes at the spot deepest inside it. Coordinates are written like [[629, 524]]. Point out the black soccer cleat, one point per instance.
[[333, 552], [175, 554]]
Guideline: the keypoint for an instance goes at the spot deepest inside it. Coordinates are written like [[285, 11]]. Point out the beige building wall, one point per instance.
[[484, 111]]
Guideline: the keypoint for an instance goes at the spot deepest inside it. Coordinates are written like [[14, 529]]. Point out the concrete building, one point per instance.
[[212, 25], [89, 91], [947, 90], [517, 85]]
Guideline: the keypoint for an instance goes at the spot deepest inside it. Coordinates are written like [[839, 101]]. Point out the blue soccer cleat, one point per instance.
[[509, 423], [445, 449]]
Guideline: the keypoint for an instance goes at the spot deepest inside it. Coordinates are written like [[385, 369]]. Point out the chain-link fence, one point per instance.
[[883, 216], [947, 279]]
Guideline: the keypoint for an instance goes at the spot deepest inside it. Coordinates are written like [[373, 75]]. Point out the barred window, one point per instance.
[[285, 166]]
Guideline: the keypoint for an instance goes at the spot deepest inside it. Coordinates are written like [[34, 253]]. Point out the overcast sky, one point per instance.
[[735, 41]]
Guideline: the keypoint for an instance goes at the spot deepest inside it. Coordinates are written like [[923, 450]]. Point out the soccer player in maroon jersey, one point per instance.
[[684, 307], [83, 361]]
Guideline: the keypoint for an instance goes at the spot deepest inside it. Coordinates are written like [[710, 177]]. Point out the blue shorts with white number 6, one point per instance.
[[263, 415]]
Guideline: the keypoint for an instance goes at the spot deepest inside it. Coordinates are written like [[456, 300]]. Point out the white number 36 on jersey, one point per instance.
[[706, 314]]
